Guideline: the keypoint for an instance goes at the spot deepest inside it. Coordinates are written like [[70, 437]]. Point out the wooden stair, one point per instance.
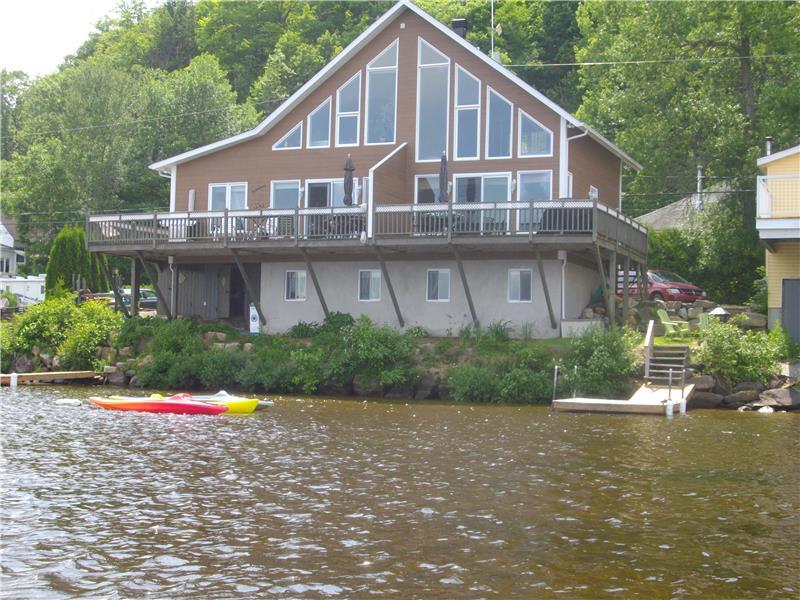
[[664, 358]]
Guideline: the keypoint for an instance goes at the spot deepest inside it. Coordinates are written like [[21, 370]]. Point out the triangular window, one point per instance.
[[292, 140], [534, 138]]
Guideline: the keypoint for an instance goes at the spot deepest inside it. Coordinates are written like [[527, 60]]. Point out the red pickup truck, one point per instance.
[[663, 285]]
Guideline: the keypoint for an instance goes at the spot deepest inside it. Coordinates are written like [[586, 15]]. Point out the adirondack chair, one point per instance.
[[672, 327], [705, 320]]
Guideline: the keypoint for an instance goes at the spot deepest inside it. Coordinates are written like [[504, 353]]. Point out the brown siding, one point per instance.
[[591, 164], [255, 162], [389, 179]]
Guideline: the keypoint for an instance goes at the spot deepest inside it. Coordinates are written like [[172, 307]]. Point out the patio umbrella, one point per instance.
[[443, 179], [348, 181]]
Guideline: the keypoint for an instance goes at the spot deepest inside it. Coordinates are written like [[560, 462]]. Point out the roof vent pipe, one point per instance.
[[768, 144], [459, 26]]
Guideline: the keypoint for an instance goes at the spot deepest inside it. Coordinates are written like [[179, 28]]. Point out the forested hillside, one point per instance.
[[675, 84]]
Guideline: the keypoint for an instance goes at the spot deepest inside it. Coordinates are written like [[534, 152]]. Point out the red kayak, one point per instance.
[[178, 406]]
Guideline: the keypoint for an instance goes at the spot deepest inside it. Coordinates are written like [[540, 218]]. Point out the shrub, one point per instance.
[[45, 325], [499, 331], [137, 329], [220, 368], [526, 386], [178, 336], [303, 329], [606, 360], [471, 383], [96, 323], [10, 298], [758, 301], [336, 321], [6, 346], [381, 354], [416, 331], [728, 351], [465, 334], [308, 364]]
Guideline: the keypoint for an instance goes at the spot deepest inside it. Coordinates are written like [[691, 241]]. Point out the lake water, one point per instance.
[[326, 498]]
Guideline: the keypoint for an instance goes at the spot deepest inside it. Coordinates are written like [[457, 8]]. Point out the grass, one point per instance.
[[673, 341]]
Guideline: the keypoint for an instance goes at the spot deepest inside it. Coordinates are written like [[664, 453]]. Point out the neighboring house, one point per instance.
[[778, 224], [30, 288], [520, 231], [682, 213], [11, 252]]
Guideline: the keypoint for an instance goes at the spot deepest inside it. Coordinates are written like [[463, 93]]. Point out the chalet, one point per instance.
[[778, 224], [468, 197]]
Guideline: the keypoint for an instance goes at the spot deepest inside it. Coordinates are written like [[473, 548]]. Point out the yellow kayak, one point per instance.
[[235, 404]]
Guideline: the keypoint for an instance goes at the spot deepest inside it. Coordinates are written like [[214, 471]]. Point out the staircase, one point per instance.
[[664, 358]]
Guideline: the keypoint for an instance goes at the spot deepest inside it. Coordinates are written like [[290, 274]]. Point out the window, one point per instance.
[[227, 195], [438, 285], [534, 138], [324, 193], [433, 99], [295, 286], [319, 126], [593, 193], [533, 186], [491, 187], [520, 285], [468, 114], [427, 189], [20, 258], [369, 285], [348, 110], [382, 97], [285, 194], [498, 134], [292, 140]]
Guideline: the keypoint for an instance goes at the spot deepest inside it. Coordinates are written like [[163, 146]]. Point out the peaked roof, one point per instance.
[[679, 214], [357, 44], [764, 160]]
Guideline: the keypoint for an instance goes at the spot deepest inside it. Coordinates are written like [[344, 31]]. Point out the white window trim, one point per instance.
[[569, 184], [490, 90], [508, 286], [329, 102], [416, 185], [228, 187], [420, 66], [290, 132], [449, 285], [356, 113], [507, 174], [520, 113], [272, 190], [366, 96], [330, 180], [519, 190], [457, 107], [380, 285], [286, 285]]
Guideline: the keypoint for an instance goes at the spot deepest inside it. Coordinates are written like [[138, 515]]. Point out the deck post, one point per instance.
[[626, 265], [612, 288], [248, 286], [603, 278], [389, 286], [539, 262], [156, 287], [117, 295], [136, 276], [466, 286], [314, 280], [173, 291]]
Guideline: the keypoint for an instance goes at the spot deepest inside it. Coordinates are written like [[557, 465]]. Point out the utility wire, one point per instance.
[[651, 61]]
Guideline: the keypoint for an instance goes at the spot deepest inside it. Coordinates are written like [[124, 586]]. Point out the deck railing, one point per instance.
[[778, 196], [560, 217]]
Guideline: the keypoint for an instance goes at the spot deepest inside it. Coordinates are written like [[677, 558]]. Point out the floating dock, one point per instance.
[[47, 376], [648, 400]]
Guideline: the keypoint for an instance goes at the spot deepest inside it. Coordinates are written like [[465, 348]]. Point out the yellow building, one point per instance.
[[778, 224]]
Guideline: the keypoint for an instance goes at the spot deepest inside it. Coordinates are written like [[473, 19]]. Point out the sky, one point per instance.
[[36, 35]]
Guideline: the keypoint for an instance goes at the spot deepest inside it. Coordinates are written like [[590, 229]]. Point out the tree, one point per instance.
[[68, 258], [13, 85]]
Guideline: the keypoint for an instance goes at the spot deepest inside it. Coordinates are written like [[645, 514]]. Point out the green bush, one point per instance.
[[45, 325], [10, 297], [136, 330], [521, 385], [303, 329], [416, 331], [472, 383], [178, 336], [96, 323], [380, 354], [606, 361], [220, 368], [336, 321], [728, 351], [6, 346]]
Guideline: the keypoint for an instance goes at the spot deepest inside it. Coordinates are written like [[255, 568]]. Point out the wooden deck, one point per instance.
[[46, 377], [648, 400]]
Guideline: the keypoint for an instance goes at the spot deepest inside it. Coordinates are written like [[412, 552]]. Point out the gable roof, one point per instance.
[[765, 160], [357, 44], [681, 213]]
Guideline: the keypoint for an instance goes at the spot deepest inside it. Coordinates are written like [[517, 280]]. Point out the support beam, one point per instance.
[[553, 322], [644, 291], [136, 277], [626, 266], [173, 287], [154, 278], [114, 288], [603, 278], [612, 288], [311, 272], [389, 286], [466, 286], [248, 286]]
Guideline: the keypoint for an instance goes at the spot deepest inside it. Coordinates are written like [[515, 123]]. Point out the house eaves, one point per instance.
[[357, 44], [765, 160]]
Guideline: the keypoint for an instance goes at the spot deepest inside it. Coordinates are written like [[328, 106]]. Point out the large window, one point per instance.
[[324, 193], [382, 97], [319, 126], [292, 140], [533, 186], [534, 138], [438, 285], [369, 285], [433, 99], [427, 189], [520, 285], [468, 115], [486, 188], [348, 110], [295, 286], [227, 195], [499, 130], [285, 194]]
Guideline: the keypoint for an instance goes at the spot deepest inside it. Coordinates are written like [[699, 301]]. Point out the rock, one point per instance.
[[683, 313], [210, 336], [125, 352], [745, 408], [766, 409], [427, 388], [47, 360], [24, 364], [787, 398], [108, 370], [400, 391], [740, 398], [694, 311], [704, 400], [247, 346], [704, 304], [117, 379], [702, 383], [107, 354], [674, 305], [146, 360], [134, 382], [218, 345], [587, 313], [721, 386], [775, 383], [748, 385], [755, 321], [366, 388], [444, 391], [231, 346], [599, 311], [35, 351], [56, 363]]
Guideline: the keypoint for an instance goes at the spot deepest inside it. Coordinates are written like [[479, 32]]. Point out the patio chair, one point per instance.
[[672, 327], [704, 321]]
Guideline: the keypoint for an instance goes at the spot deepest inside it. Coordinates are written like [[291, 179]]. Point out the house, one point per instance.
[[11, 252], [29, 289], [682, 213], [475, 198], [778, 224]]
